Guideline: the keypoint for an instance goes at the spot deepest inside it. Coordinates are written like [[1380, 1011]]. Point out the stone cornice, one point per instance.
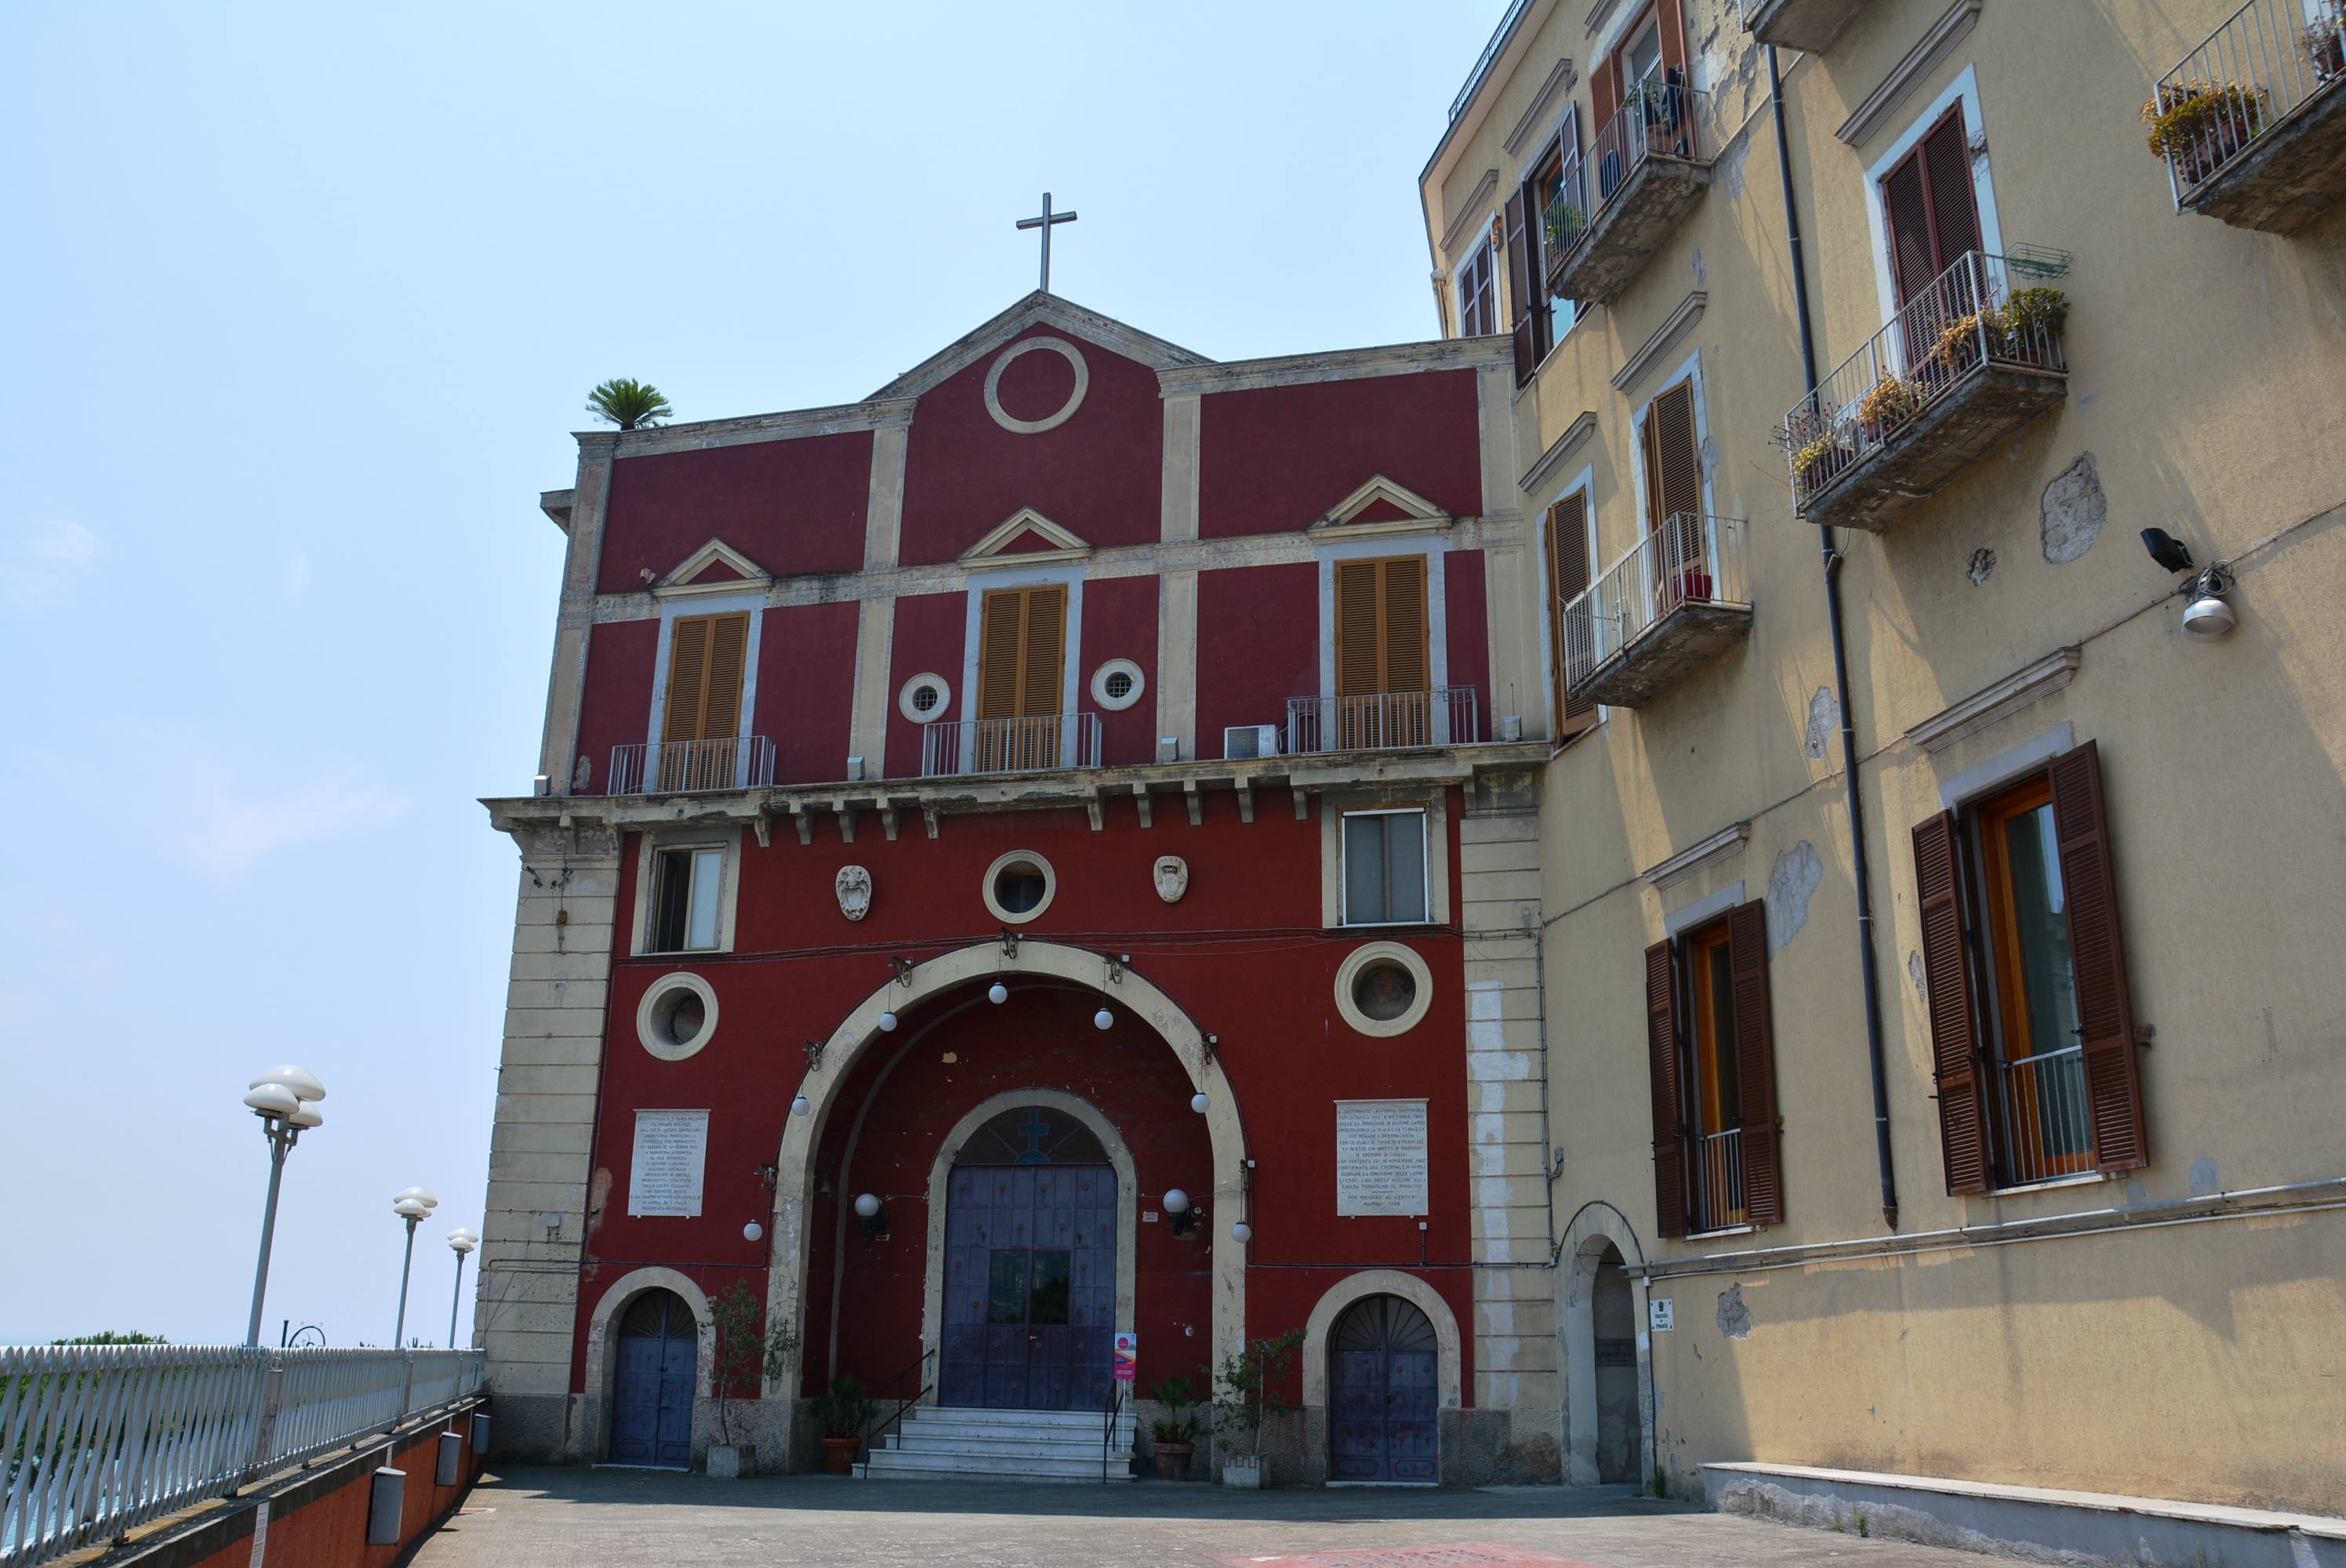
[[1038, 309], [836, 421], [1469, 211], [1338, 365], [1721, 845], [1559, 451], [1663, 339], [1560, 82], [1907, 75], [2005, 699]]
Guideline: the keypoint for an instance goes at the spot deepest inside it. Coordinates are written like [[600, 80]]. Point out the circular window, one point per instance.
[[926, 699], [1065, 350], [1383, 988], [676, 1017], [1018, 887], [1117, 685]]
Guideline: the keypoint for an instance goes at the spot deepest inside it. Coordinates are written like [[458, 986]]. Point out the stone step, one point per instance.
[[1009, 1431], [924, 1414], [895, 1464], [941, 1442], [1010, 1448]]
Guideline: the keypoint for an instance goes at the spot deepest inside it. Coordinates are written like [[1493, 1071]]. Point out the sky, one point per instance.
[[302, 305]]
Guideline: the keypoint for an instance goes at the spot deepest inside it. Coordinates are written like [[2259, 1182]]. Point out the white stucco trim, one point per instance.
[[650, 1036], [2004, 765], [1966, 88], [1407, 957], [1010, 574], [1597, 1225], [731, 604], [650, 842], [1702, 909], [602, 1368], [1689, 369], [1433, 546], [1359, 1286], [1050, 887], [1128, 1209]]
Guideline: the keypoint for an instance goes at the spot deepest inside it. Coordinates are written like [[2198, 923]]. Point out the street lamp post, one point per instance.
[[285, 1099], [461, 1241], [411, 1206]]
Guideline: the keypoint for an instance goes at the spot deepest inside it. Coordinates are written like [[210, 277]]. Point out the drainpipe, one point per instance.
[[1832, 560]]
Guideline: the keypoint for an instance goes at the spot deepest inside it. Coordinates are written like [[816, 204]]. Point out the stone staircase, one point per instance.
[[944, 1442]]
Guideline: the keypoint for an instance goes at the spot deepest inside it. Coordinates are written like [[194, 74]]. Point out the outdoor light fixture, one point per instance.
[[997, 992], [283, 1098], [799, 1107], [2210, 616], [1201, 1104], [461, 1240], [874, 1215], [888, 1021], [1242, 1233], [1177, 1203], [2167, 550], [412, 1205], [1103, 1019], [753, 1231]]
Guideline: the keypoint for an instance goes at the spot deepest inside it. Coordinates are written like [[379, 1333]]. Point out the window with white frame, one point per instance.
[[1478, 295], [687, 887], [1384, 872]]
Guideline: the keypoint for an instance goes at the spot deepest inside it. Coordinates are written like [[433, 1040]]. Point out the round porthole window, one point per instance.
[[676, 1017], [1383, 988], [926, 699], [1018, 887], [1117, 685]]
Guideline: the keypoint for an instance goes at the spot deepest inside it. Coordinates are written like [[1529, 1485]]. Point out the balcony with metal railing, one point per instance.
[[1621, 198], [2049, 1132], [1040, 743], [1719, 1203], [1382, 721], [2252, 123], [1679, 597], [1956, 372], [691, 766], [1808, 25]]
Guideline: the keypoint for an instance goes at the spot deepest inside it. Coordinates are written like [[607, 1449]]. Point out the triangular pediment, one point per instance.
[[1027, 534], [1039, 310], [715, 568], [1382, 506]]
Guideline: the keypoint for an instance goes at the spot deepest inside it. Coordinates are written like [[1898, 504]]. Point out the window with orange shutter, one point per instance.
[[700, 722], [1021, 670]]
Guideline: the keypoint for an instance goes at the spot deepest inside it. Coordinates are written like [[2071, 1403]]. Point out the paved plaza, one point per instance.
[[521, 1518]]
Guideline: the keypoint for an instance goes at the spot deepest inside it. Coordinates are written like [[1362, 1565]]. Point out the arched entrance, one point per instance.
[[1620, 1441], [659, 1369], [1608, 1435], [1383, 1393], [1030, 1265]]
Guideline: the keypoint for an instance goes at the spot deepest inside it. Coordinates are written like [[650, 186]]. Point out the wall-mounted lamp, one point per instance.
[[799, 1107], [1201, 1104], [997, 993], [815, 1055], [1103, 1019], [1242, 1233], [1176, 1206], [901, 968], [766, 1175], [2210, 616], [888, 1021], [874, 1215], [753, 1231]]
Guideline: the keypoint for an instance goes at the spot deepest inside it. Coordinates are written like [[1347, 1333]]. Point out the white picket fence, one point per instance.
[[98, 1440]]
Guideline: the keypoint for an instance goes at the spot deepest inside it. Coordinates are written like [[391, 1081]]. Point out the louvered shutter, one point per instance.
[[1567, 577], [1906, 209], [1674, 482], [1755, 1063], [1360, 658], [1953, 1004], [1662, 1056], [1405, 624], [729, 646], [2105, 1014], [1042, 665], [688, 679], [1000, 637], [1519, 285]]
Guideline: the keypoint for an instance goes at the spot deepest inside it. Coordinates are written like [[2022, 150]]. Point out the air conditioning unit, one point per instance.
[[1251, 740]]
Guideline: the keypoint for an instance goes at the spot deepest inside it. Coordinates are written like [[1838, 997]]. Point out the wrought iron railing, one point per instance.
[[1657, 118], [1489, 58], [1967, 317], [1688, 560], [2047, 1121], [687, 767], [1719, 1202], [1382, 721], [1010, 745], [97, 1439], [901, 1392], [2263, 62]]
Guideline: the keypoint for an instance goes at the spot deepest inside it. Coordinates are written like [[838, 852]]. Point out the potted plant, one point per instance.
[[744, 1351], [1245, 1399], [2197, 125], [2321, 45], [843, 1413], [1175, 1434]]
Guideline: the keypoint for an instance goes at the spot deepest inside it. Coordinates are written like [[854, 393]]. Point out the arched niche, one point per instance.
[[1597, 1230], [1352, 1287], [602, 1331]]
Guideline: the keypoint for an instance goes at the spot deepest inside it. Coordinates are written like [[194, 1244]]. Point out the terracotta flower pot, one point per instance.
[[838, 1454], [1173, 1460]]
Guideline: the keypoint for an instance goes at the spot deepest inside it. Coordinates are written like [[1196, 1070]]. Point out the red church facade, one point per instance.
[[1079, 773]]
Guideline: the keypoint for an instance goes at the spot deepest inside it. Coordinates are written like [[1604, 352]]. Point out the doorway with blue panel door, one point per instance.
[[1384, 1386], [658, 1372]]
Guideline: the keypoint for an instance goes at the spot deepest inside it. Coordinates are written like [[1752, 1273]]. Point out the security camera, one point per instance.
[[2167, 549]]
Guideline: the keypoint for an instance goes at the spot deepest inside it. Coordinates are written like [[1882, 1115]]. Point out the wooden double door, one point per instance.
[[659, 1371], [1384, 1372], [1030, 1287]]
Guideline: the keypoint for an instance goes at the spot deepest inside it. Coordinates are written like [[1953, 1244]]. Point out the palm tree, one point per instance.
[[629, 404]]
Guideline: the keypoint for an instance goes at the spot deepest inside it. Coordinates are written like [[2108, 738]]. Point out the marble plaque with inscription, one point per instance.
[[672, 1151], [1381, 1156]]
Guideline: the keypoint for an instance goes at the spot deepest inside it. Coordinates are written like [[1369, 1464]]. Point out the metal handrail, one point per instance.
[[2243, 78], [1039, 743], [1383, 721], [1720, 1200], [97, 1439], [1961, 321], [1658, 117], [919, 1367], [1690, 559], [2048, 1128], [691, 766]]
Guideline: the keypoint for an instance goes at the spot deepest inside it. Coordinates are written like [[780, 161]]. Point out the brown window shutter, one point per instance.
[[1953, 1005], [1360, 660], [1001, 636], [1662, 1057], [688, 679], [1567, 577], [2104, 1015], [1907, 210], [1954, 206], [1671, 19], [1406, 662], [1678, 457], [1755, 1063], [729, 647], [1519, 285], [1605, 93], [1043, 663]]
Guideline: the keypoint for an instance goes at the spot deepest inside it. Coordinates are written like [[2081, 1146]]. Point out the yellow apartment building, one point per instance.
[[1937, 456]]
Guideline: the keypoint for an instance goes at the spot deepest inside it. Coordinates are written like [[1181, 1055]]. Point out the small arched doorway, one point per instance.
[[1383, 1392], [1620, 1436], [1030, 1265], [659, 1366]]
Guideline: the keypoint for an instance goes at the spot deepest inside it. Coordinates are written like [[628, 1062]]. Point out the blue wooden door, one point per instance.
[[1383, 1370], [1030, 1287], [659, 1364]]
